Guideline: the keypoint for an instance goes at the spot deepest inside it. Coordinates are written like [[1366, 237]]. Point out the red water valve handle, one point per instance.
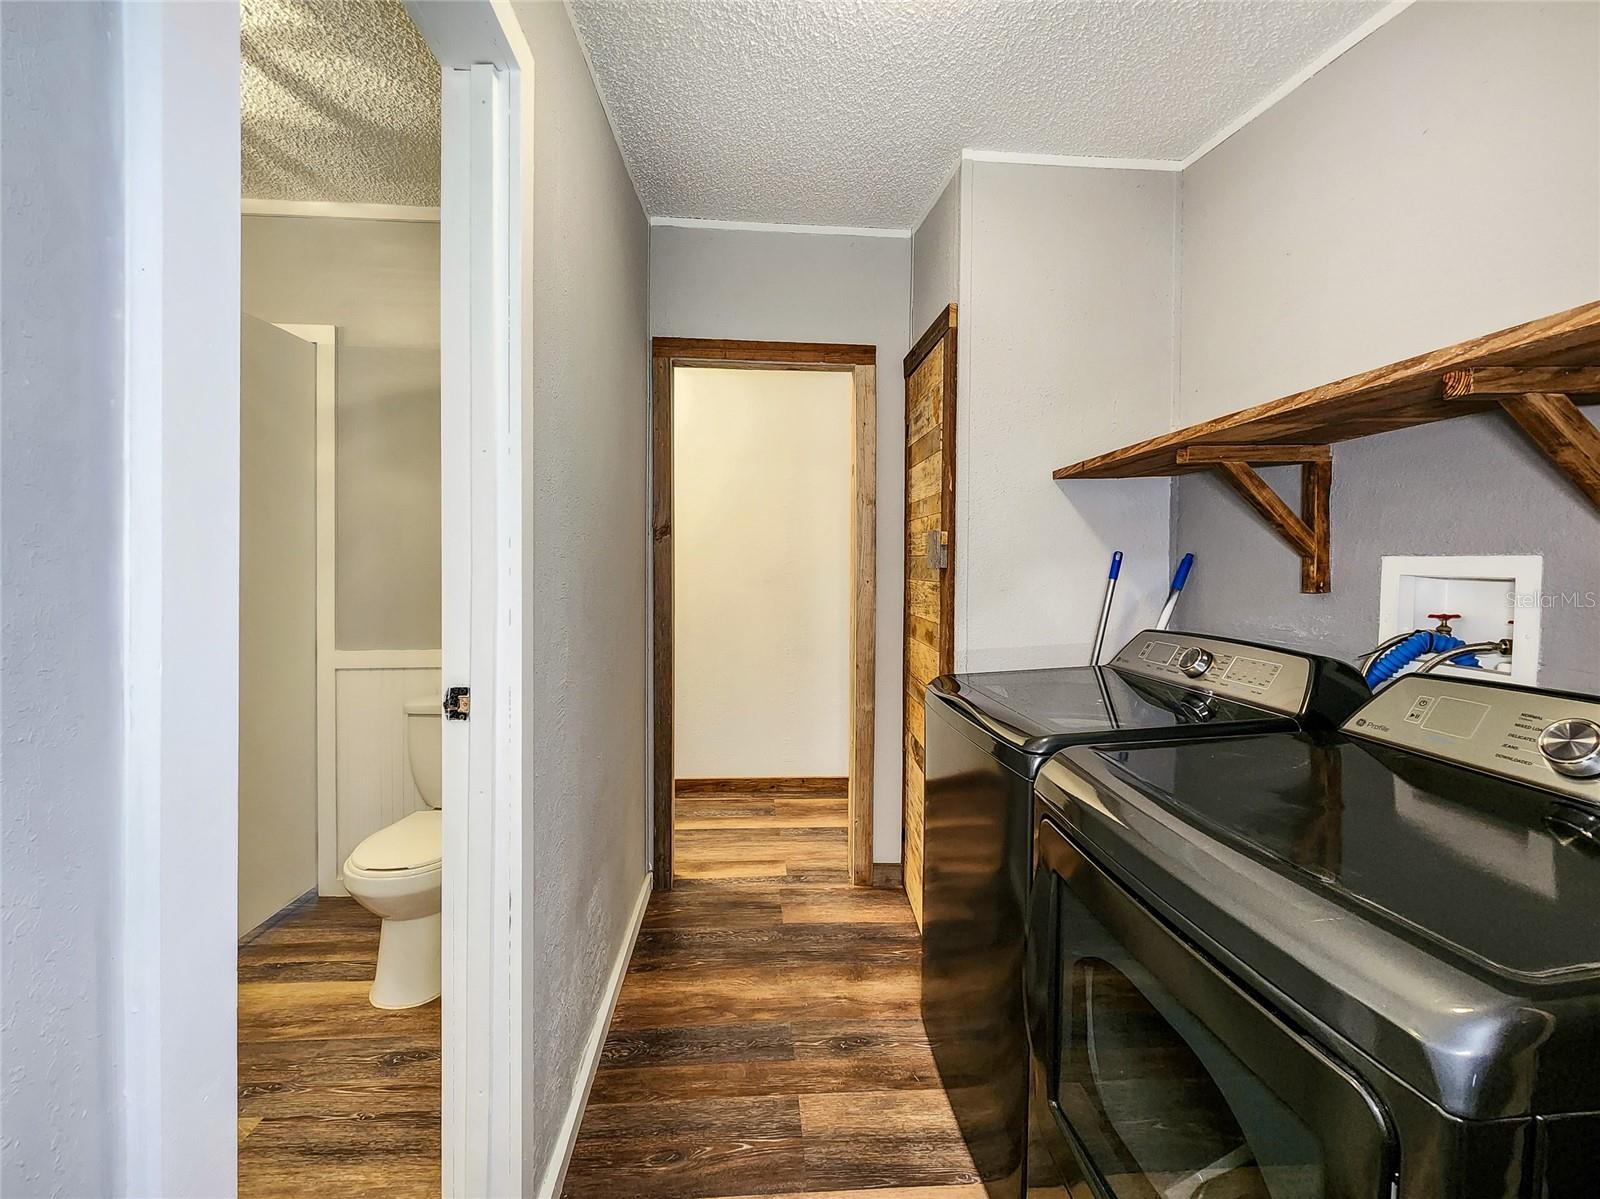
[[1444, 619]]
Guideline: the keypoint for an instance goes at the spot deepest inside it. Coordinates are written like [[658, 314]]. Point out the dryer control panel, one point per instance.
[[1544, 738], [1267, 678]]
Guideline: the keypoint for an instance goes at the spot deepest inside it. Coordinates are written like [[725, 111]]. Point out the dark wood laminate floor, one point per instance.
[[768, 1038], [335, 1096]]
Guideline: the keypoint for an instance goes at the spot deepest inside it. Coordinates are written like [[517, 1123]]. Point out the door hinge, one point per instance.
[[458, 703], [938, 549]]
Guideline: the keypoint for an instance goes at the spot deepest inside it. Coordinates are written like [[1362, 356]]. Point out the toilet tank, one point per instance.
[[423, 748]]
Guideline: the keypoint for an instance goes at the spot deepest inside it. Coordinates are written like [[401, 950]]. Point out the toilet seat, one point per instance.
[[413, 844]]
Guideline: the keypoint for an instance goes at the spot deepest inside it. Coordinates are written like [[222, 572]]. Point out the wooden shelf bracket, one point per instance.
[[1563, 434], [1307, 533], [1539, 400]]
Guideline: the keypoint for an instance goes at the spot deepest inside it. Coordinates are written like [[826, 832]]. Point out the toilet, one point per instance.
[[395, 874]]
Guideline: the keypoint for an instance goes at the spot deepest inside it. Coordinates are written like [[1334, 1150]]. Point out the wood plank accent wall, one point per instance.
[[930, 371], [859, 361]]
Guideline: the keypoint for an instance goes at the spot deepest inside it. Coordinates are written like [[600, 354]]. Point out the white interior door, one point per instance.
[[277, 620], [482, 649]]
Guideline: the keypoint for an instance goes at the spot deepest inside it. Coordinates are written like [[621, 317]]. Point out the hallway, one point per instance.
[[768, 1038]]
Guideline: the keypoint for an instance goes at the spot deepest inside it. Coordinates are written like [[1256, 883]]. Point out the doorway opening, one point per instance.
[[763, 458], [340, 779], [761, 623], [182, 209]]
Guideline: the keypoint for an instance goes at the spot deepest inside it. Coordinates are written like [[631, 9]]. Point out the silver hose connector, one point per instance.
[[1502, 647], [1378, 651]]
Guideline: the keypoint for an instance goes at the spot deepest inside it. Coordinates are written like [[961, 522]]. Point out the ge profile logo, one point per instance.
[[1361, 723]]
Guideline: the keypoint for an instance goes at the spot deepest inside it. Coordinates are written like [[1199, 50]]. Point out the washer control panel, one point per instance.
[[1266, 678], [1536, 737]]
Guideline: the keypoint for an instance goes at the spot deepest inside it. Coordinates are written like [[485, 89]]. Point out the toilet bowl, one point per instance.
[[395, 874]]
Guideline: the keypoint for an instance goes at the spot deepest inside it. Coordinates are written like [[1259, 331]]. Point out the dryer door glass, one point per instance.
[[1170, 1082]]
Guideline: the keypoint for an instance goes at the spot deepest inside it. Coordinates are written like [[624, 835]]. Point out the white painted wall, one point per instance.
[[61, 678], [1066, 350], [779, 286], [586, 684], [1345, 228], [378, 282], [277, 620], [761, 573], [936, 260], [180, 827], [118, 644]]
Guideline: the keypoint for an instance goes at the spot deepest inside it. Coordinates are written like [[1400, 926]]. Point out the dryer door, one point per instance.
[[1157, 1077]]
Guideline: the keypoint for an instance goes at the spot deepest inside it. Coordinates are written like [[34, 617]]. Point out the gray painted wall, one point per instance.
[[1066, 350], [1335, 233], [770, 286], [584, 471], [378, 281], [61, 592], [936, 259]]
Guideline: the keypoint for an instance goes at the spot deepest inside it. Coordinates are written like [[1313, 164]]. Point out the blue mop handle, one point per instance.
[[1105, 608], [1179, 578], [1182, 575]]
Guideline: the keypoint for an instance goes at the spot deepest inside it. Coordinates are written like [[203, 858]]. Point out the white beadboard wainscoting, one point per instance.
[[372, 784]]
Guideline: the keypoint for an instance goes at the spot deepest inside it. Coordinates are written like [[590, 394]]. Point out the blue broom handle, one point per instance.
[[1105, 608]]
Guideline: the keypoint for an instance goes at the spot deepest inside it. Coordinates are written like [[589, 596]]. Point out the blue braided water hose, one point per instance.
[[1420, 644]]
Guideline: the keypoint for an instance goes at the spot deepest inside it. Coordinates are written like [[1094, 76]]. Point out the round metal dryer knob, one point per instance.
[[1572, 747], [1195, 661]]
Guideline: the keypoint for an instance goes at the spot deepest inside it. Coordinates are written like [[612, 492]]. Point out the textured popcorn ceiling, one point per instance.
[[852, 113], [340, 102]]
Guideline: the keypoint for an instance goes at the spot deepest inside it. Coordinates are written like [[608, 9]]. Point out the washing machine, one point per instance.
[[1298, 965], [986, 738]]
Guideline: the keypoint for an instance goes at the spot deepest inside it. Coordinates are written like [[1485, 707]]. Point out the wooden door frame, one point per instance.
[[861, 363]]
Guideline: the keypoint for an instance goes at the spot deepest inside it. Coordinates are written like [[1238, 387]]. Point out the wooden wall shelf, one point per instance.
[[1535, 372]]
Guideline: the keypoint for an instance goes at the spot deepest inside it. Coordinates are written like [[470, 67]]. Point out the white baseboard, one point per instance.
[[555, 1171]]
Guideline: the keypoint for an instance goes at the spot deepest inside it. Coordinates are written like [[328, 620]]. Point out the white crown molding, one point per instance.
[[1354, 37], [1072, 160], [331, 208], [970, 154], [1023, 158], [1358, 34], [685, 222]]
